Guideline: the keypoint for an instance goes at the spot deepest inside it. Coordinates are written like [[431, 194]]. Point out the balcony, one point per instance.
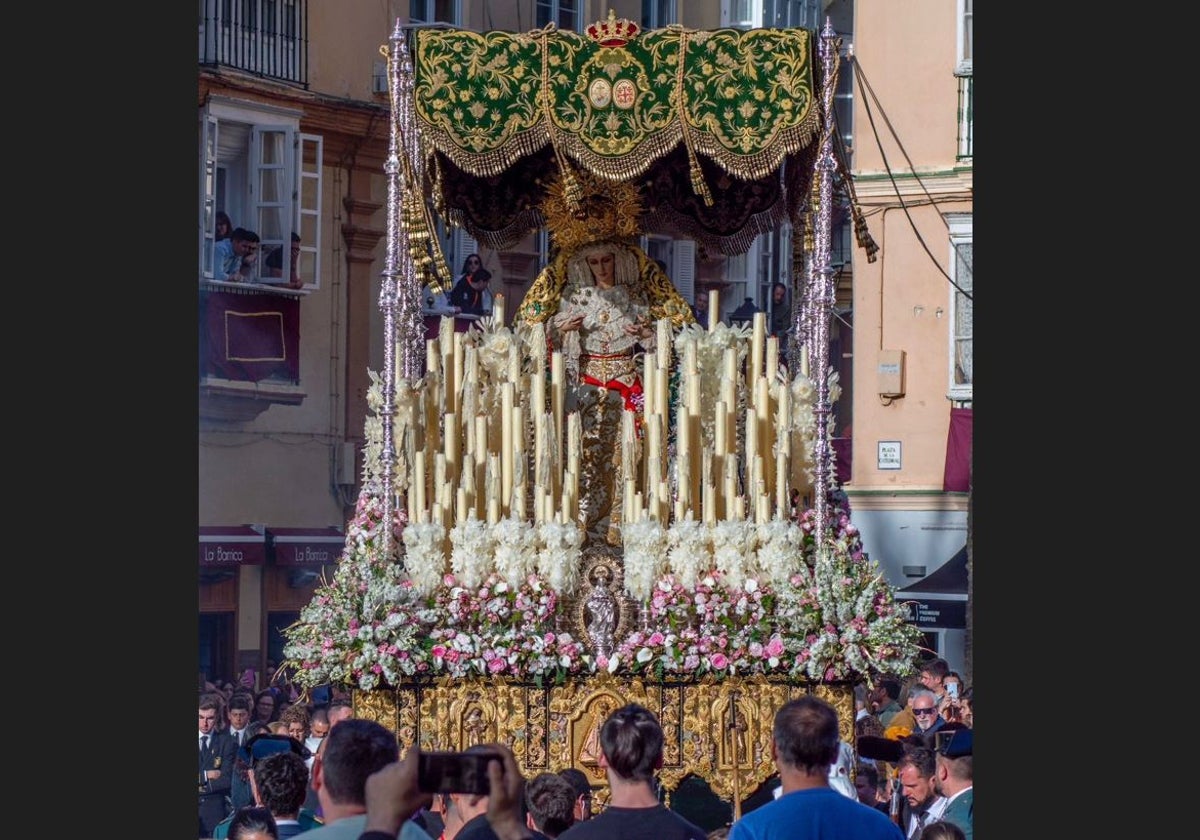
[[267, 38], [249, 349]]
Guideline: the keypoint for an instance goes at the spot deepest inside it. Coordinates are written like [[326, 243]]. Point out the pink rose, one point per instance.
[[775, 646], [438, 651], [720, 661], [656, 638], [497, 665]]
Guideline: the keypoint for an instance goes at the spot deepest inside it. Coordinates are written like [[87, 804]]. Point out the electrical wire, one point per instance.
[[860, 77]]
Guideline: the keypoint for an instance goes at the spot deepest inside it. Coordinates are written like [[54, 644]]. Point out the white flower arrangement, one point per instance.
[[559, 555], [780, 551], [425, 558], [516, 550], [472, 545], [645, 543], [733, 549], [690, 550]]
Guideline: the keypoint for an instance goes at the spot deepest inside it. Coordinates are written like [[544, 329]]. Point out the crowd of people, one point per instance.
[[275, 765]]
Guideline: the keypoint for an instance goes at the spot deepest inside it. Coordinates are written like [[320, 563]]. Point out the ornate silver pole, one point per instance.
[[821, 283], [410, 324], [387, 294]]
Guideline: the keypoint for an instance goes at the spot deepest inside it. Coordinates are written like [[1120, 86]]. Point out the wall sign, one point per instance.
[[889, 455]]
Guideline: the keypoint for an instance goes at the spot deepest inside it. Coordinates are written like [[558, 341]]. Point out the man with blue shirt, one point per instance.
[[804, 743]]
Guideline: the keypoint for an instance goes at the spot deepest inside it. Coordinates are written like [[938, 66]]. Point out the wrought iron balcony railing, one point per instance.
[[268, 38]]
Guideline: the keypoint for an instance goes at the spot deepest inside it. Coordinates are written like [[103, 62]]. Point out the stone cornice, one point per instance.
[[355, 133]]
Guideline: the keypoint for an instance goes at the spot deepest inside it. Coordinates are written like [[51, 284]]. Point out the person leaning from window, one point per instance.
[[235, 256], [470, 294], [274, 263]]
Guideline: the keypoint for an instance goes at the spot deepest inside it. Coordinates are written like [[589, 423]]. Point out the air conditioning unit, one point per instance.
[[379, 79]]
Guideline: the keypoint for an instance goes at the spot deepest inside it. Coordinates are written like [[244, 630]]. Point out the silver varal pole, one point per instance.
[[822, 286], [396, 251]]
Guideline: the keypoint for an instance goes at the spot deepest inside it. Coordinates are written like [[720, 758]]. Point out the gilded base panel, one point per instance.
[[716, 729]]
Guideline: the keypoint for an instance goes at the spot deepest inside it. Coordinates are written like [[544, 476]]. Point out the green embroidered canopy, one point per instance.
[[716, 128]]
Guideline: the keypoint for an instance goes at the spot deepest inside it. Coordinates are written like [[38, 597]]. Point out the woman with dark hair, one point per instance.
[[470, 294], [224, 226]]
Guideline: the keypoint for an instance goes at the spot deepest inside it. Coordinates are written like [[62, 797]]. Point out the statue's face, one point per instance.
[[603, 266]]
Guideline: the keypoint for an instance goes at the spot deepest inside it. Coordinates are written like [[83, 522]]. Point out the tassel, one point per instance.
[[863, 236]]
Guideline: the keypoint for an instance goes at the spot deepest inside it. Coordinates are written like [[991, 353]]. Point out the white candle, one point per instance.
[[772, 356], [664, 343], [781, 488], [758, 336], [720, 441], [514, 364], [498, 308], [460, 509], [432, 361], [506, 445], [751, 433], [481, 461], [558, 397], [450, 447], [574, 454], [804, 359], [714, 310], [419, 483], [648, 370], [730, 464], [457, 391]]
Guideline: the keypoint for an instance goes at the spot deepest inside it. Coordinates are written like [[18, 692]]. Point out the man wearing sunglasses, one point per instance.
[[924, 709]]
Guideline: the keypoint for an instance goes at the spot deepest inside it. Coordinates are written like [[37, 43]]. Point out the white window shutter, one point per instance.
[[309, 165], [685, 269], [208, 195]]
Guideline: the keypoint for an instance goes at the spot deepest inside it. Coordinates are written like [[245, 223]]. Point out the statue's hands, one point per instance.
[[571, 324]]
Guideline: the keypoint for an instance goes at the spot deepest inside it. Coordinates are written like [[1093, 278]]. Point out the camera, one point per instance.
[[454, 772], [952, 690]]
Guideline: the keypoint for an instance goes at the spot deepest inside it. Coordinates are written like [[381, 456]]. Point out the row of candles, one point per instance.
[[524, 449]]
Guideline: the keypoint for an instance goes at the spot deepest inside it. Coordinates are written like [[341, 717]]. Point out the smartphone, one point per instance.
[[952, 690], [454, 772]]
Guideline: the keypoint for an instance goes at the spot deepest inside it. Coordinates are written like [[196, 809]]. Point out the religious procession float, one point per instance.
[[598, 500]]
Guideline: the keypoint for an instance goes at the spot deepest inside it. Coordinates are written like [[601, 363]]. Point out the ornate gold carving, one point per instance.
[[841, 697], [548, 728], [604, 210]]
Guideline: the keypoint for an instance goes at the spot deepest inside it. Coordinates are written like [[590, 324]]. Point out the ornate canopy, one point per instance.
[[716, 128]]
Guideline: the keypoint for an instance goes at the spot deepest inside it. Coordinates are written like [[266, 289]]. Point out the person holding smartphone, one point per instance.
[[393, 795], [949, 705]]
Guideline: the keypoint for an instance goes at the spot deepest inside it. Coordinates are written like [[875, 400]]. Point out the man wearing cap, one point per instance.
[[955, 777]]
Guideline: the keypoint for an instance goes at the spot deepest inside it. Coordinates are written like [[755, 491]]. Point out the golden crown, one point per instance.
[[614, 32], [582, 208]]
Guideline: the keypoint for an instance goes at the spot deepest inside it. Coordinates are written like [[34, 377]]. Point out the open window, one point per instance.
[[259, 168]]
